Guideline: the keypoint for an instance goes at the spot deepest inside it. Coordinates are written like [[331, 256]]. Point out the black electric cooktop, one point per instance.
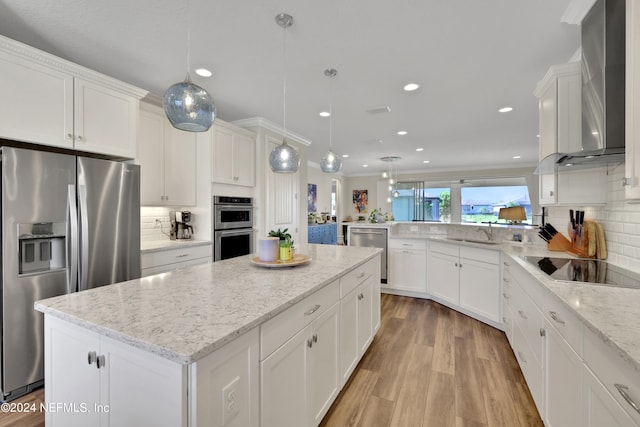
[[586, 270]]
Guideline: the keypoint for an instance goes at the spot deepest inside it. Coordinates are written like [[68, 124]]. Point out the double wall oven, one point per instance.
[[232, 227]]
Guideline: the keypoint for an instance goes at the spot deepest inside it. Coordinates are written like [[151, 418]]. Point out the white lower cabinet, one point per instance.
[[579, 380], [93, 380], [407, 265], [465, 277], [600, 408], [563, 369], [169, 259], [300, 378]]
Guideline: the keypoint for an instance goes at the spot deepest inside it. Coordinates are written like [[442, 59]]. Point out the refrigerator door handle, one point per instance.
[[72, 240], [83, 267]]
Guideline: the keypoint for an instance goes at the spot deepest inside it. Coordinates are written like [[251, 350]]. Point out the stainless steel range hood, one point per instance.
[[603, 91]]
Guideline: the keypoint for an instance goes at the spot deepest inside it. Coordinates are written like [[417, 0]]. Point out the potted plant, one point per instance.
[[286, 243], [282, 234]]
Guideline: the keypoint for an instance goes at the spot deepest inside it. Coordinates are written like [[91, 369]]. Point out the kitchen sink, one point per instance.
[[484, 242]]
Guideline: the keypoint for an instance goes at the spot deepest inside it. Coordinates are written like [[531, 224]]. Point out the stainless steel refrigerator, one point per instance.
[[68, 224]]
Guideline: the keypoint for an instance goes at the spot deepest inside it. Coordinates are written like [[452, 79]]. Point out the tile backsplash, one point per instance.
[[148, 230], [620, 220]]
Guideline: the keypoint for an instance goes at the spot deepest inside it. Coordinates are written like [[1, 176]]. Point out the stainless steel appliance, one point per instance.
[[68, 224], [232, 227], [374, 237], [180, 228]]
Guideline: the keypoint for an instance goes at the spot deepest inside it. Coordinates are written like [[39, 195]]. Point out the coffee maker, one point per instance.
[[180, 228]]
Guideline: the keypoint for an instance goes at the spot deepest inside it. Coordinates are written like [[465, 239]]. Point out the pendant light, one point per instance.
[[284, 158], [188, 106], [330, 163]]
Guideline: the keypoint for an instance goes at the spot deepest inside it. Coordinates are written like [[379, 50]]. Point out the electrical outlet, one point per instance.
[[231, 402]]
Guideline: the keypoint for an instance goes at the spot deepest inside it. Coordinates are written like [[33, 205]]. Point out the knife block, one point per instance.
[[582, 248], [559, 243]]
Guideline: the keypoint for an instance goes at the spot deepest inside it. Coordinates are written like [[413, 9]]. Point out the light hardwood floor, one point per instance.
[[430, 366], [28, 418]]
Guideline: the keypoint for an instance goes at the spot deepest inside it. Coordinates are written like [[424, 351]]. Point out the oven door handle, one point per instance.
[[235, 231]]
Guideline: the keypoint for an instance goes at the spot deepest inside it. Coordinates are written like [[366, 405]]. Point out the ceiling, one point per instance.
[[470, 58]]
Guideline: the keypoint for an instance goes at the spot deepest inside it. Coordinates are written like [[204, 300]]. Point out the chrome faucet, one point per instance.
[[488, 233]]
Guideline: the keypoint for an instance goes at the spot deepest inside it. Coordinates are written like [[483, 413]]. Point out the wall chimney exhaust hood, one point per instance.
[[603, 92]]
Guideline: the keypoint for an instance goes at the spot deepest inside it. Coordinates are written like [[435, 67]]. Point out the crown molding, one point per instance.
[[37, 56], [555, 71], [271, 126]]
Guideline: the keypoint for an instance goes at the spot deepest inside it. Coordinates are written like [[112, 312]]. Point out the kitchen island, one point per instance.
[[199, 345]]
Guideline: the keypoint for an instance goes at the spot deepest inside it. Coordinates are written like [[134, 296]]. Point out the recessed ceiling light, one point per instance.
[[419, 149], [402, 132], [425, 161], [345, 155], [365, 166], [505, 109], [410, 87], [324, 114], [203, 72], [516, 157]]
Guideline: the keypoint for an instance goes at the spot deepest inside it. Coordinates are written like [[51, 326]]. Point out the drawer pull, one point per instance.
[[360, 276], [92, 357], [504, 320], [312, 310], [555, 317], [505, 280], [100, 362], [506, 264], [524, 360], [506, 295], [624, 391], [522, 314], [182, 255], [543, 333], [315, 337], [310, 342]]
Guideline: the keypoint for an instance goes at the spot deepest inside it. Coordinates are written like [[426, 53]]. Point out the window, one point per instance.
[[481, 200], [416, 202]]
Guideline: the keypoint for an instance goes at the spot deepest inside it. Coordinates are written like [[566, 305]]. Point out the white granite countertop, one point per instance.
[[161, 245], [188, 313]]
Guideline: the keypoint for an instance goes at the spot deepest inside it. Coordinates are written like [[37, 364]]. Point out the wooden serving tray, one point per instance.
[[298, 259]]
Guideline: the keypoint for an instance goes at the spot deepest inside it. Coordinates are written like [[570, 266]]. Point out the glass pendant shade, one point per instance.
[[189, 107], [396, 194], [284, 159], [330, 163]]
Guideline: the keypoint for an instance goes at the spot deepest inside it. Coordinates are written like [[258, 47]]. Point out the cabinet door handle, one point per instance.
[[69, 136], [555, 317], [91, 357], [309, 342], [506, 264], [182, 255], [551, 193], [504, 320], [506, 295], [460, 265], [522, 314], [626, 181], [79, 137], [456, 264], [624, 391], [100, 361], [312, 310], [543, 333], [360, 276], [505, 280], [315, 337], [524, 360]]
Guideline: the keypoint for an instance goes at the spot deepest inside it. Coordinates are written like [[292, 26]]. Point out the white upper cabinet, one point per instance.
[[55, 102], [560, 124], [233, 155], [632, 104], [167, 158]]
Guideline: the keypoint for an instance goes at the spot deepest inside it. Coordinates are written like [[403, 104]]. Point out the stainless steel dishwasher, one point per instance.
[[373, 237]]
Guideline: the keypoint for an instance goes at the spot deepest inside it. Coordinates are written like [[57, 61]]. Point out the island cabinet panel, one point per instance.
[[224, 385], [600, 408], [300, 378], [107, 383]]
